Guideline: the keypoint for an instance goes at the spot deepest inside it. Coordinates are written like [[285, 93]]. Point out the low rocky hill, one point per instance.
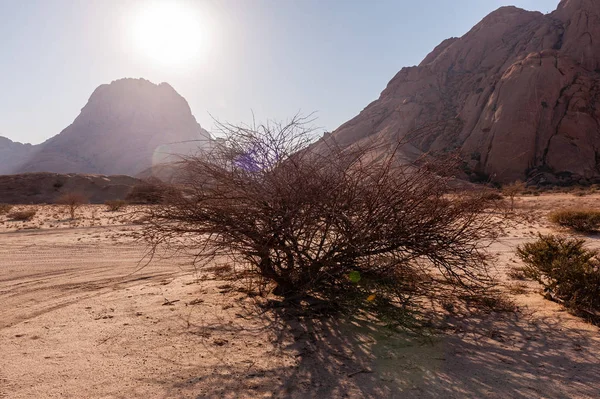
[[45, 188]]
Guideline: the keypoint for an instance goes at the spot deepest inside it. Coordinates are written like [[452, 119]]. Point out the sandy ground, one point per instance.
[[80, 318]]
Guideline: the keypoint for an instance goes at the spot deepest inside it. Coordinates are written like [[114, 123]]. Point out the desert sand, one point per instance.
[[84, 316]]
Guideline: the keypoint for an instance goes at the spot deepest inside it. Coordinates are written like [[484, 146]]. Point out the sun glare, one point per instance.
[[169, 32]]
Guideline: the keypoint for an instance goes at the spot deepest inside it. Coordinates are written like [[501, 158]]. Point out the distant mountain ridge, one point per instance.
[[13, 154], [518, 96], [125, 128]]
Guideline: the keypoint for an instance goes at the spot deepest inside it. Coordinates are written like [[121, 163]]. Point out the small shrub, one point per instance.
[[582, 192], [512, 190], [146, 193], [22, 216], [584, 220], [73, 201], [5, 208], [115, 205], [566, 269], [492, 196]]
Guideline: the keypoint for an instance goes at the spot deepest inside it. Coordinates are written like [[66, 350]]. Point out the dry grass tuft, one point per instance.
[[580, 220], [5, 208], [22, 216], [115, 205]]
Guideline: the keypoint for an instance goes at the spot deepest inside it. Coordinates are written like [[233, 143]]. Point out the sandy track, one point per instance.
[[42, 271]]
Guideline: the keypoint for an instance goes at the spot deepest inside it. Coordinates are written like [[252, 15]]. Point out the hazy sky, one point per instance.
[[272, 57]]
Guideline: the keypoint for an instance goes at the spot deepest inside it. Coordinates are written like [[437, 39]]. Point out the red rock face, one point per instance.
[[518, 96], [125, 128]]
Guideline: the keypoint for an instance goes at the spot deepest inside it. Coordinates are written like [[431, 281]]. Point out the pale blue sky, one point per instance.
[[272, 57]]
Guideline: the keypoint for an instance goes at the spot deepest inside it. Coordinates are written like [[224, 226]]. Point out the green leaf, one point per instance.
[[354, 276]]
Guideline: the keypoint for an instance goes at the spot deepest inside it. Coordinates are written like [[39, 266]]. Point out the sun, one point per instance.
[[169, 32]]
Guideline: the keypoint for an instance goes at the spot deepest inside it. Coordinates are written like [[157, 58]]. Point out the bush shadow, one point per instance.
[[495, 355]]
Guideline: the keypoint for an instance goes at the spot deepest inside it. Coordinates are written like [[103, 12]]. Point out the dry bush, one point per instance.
[[115, 205], [146, 193], [492, 195], [582, 193], [322, 220], [22, 216], [512, 190], [5, 208], [532, 191], [582, 220], [567, 270], [73, 201]]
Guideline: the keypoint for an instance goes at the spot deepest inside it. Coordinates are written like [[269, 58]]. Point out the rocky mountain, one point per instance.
[[126, 127], [518, 96]]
